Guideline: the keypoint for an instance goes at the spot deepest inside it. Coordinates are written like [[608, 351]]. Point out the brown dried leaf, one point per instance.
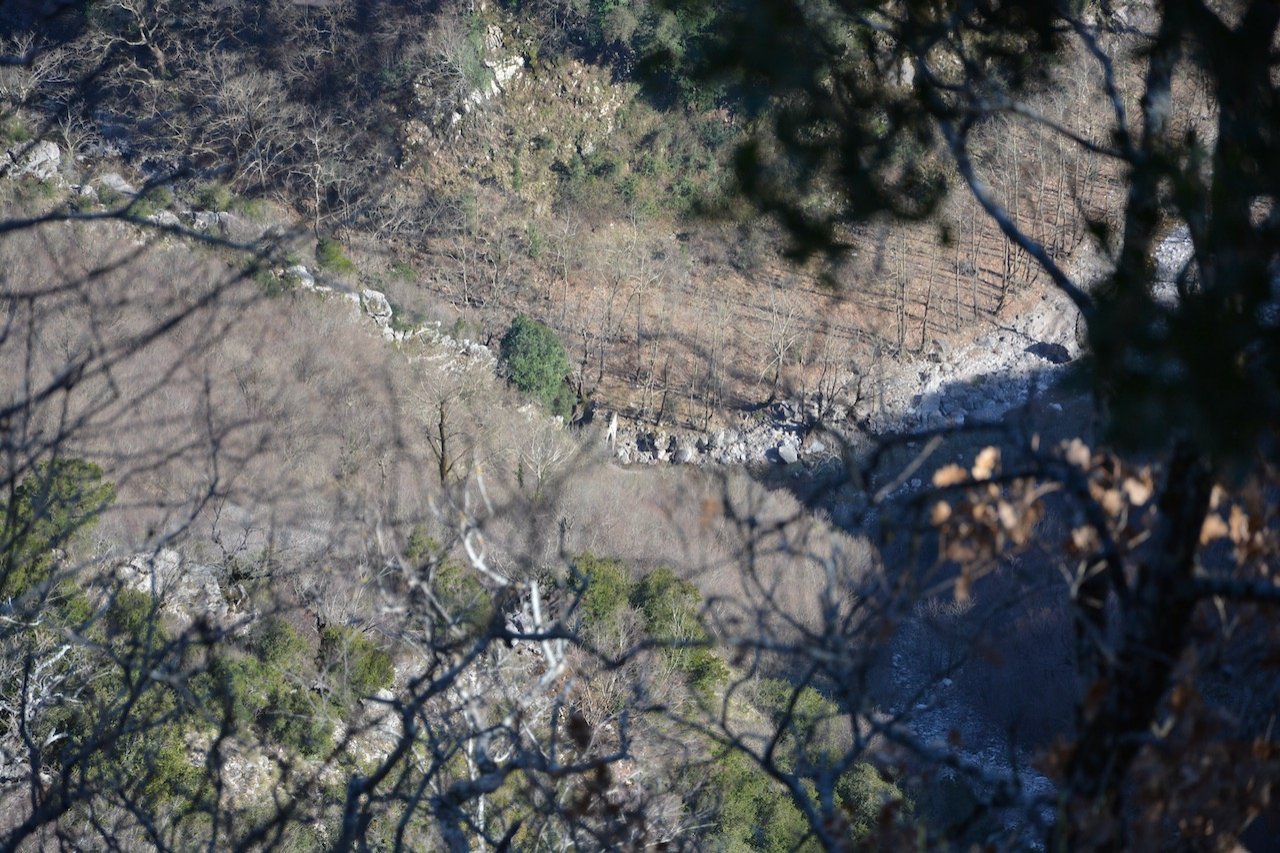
[[1096, 695], [1008, 515], [1217, 496], [1113, 502], [1084, 540], [1078, 454], [1213, 528], [986, 464], [941, 512], [1239, 526], [964, 586], [711, 510], [1137, 491], [949, 475]]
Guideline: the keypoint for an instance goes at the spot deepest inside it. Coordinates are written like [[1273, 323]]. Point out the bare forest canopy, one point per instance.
[[538, 158], [299, 550]]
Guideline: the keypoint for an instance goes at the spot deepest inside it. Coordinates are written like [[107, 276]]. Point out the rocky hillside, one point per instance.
[[505, 162]]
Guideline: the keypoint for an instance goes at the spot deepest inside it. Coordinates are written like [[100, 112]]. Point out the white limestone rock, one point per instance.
[[301, 277], [185, 589], [114, 181], [40, 160], [376, 306]]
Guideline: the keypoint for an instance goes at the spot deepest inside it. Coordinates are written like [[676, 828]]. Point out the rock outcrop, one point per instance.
[[184, 588], [40, 160]]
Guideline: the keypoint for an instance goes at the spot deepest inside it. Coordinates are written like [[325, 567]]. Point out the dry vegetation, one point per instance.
[[645, 302], [289, 424], [282, 445], [455, 621], [565, 195]]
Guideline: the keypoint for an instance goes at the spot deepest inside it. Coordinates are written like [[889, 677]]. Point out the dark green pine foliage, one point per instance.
[[58, 500], [537, 364]]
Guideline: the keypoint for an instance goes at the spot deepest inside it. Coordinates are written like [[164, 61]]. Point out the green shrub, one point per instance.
[[455, 585], [42, 190], [57, 502], [404, 320], [517, 175], [671, 609], [109, 196], [279, 644], [756, 813], [152, 202], [332, 257], [605, 588], [773, 697], [72, 606], [421, 546], [404, 272], [253, 209], [236, 689], [707, 672], [537, 364], [949, 805], [270, 284], [752, 811], [462, 596], [131, 613], [154, 766], [297, 718], [13, 131], [216, 197], [359, 666], [82, 203], [584, 180], [464, 330], [535, 243], [665, 600], [126, 728], [270, 688], [860, 792], [863, 795]]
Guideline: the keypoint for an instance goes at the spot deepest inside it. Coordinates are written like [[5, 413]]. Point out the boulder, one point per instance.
[[506, 70], [114, 181], [493, 38], [186, 590], [41, 160], [1172, 254], [207, 220], [788, 454], [301, 276], [376, 306]]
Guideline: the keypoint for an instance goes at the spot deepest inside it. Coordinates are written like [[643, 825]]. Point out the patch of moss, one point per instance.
[[331, 257]]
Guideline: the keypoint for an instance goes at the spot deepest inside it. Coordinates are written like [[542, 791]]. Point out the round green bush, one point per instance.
[[537, 364]]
